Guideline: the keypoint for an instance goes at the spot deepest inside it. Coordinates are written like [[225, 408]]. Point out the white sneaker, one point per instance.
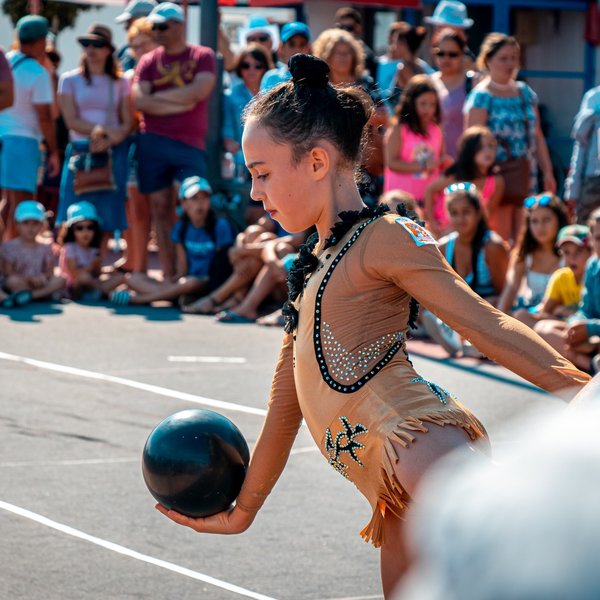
[[441, 333], [470, 351]]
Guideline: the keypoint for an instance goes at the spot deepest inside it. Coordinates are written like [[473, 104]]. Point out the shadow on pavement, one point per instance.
[[32, 312]]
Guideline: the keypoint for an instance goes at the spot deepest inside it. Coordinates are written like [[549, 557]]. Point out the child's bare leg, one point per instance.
[[413, 462], [553, 332], [54, 286], [107, 284], [171, 291], [143, 284], [525, 317], [16, 283]]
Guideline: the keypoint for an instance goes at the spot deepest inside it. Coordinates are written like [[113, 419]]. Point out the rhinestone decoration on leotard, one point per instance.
[[347, 366], [324, 354], [336, 447], [439, 392]]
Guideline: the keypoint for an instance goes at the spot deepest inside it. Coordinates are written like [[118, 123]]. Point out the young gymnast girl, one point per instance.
[[343, 366]]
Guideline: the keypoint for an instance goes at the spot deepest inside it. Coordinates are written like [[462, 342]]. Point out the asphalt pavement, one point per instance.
[[83, 386]]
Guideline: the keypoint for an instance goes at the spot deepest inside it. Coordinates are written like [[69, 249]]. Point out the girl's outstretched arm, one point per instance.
[[268, 459]]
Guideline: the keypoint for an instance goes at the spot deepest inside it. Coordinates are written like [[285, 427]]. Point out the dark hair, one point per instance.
[[258, 53], [526, 243], [67, 234], [112, 68], [469, 144], [413, 36], [347, 12], [450, 35], [308, 108], [406, 111], [473, 198], [492, 43]]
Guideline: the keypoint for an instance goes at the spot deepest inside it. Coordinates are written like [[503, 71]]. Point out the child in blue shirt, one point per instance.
[[201, 241]]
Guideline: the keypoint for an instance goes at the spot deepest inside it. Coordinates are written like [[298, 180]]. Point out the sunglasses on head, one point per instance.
[[84, 227], [535, 201], [256, 66], [93, 43], [443, 54], [262, 39], [463, 186], [160, 27]]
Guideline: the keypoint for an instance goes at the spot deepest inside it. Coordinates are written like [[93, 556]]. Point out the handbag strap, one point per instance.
[[20, 60]]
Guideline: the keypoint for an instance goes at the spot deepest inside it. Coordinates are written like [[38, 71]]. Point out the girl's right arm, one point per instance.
[[392, 146], [269, 456], [431, 191], [514, 276]]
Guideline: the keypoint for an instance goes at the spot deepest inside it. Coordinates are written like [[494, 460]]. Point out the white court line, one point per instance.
[[163, 564], [146, 387], [230, 360]]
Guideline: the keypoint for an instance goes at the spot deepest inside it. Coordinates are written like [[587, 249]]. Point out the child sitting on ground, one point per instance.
[[79, 260], [202, 240], [28, 264]]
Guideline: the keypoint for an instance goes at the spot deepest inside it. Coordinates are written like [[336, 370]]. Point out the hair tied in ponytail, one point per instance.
[[309, 71]]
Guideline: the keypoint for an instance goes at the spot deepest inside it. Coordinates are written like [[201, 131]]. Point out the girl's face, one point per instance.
[[426, 106], [341, 59], [196, 208], [285, 188], [252, 70], [504, 64], [464, 217], [28, 230], [486, 155], [95, 55], [399, 49], [84, 232], [449, 57], [596, 238], [575, 257], [543, 224]]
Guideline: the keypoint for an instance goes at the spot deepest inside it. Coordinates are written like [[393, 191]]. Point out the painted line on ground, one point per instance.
[[146, 387], [229, 360], [163, 564]]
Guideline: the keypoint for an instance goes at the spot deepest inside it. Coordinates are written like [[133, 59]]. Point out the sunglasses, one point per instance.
[[347, 27], [535, 201], [256, 66], [442, 54], [93, 43], [463, 186], [160, 27], [262, 39], [84, 227]]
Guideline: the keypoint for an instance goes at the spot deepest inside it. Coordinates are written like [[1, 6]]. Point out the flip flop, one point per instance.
[[228, 316], [120, 297], [190, 309], [21, 298], [8, 302]]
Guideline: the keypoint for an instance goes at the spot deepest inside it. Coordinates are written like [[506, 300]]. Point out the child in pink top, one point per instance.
[[474, 164], [414, 144]]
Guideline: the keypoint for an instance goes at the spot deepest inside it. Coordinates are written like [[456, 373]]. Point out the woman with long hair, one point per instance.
[[94, 102]]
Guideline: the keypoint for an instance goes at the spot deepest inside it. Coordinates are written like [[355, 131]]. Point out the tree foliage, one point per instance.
[[59, 14]]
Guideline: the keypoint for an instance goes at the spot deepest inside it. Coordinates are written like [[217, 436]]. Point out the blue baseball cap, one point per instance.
[[190, 186], [136, 9], [166, 11], [32, 28], [289, 30], [81, 211], [30, 210]]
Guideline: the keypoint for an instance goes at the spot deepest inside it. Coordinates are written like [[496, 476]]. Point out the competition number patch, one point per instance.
[[419, 234]]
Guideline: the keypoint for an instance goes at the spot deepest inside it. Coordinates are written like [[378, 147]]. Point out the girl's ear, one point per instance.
[[320, 162]]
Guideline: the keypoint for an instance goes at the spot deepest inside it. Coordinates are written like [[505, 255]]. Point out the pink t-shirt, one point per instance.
[[165, 71], [27, 260], [83, 257], [415, 146], [93, 99]]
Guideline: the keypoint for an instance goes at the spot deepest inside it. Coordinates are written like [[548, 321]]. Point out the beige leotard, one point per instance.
[[345, 369]]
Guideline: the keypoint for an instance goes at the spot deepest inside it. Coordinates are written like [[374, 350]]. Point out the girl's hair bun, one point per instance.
[[309, 71]]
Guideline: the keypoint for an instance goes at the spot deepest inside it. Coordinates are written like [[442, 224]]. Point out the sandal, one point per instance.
[[195, 307], [120, 297], [8, 302], [21, 298], [228, 316]]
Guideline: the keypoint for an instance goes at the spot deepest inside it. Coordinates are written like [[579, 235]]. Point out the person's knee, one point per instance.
[[16, 283]]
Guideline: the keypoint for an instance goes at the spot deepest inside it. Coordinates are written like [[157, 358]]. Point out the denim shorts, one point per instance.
[[162, 161], [20, 160]]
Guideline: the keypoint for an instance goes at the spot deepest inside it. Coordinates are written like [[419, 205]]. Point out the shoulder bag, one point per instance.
[[516, 172], [93, 171]]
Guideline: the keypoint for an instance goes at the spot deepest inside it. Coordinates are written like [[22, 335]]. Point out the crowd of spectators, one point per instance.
[[124, 139]]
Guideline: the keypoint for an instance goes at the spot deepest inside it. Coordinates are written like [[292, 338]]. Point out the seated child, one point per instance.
[[28, 264], [202, 240], [79, 259]]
